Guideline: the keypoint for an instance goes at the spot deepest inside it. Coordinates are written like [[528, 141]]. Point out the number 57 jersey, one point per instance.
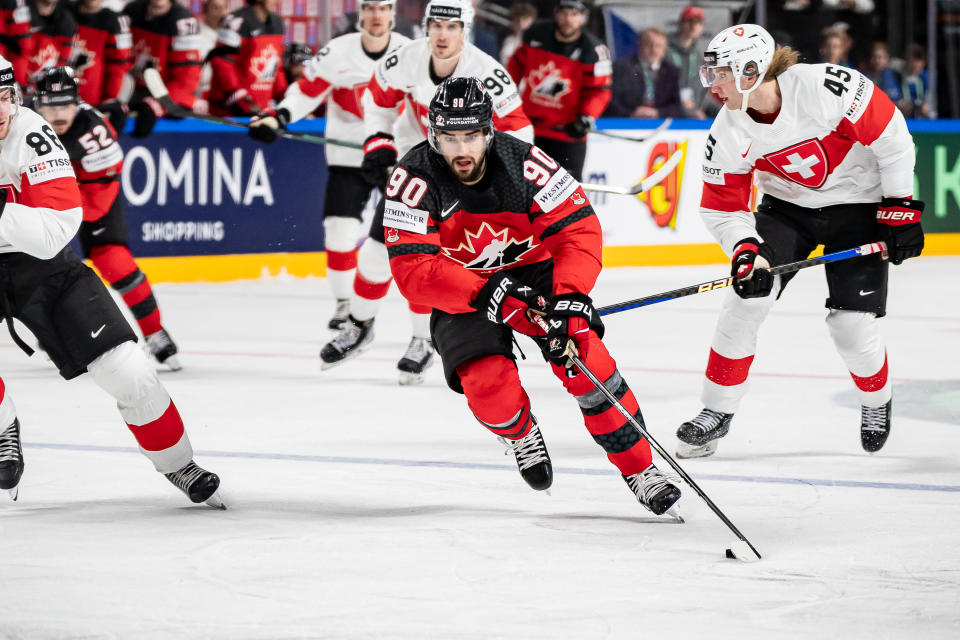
[[837, 139], [404, 79]]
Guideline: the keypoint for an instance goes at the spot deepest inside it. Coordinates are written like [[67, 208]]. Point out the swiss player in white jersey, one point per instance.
[[834, 161], [66, 306], [395, 119], [339, 75]]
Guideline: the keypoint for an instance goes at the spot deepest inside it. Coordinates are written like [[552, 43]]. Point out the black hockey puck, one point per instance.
[[730, 554]]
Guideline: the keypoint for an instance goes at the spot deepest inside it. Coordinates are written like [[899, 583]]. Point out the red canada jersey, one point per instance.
[[170, 42], [247, 58], [50, 41], [560, 81], [445, 238], [14, 30], [91, 142], [102, 54]]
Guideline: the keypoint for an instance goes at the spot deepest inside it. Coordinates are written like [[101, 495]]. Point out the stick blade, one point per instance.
[[742, 551], [155, 84]]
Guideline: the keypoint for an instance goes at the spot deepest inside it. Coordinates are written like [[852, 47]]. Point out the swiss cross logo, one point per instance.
[[548, 85], [804, 163], [489, 249], [40, 166], [738, 31]]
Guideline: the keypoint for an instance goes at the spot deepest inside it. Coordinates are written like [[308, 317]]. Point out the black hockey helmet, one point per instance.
[[460, 104], [296, 53], [57, 86]]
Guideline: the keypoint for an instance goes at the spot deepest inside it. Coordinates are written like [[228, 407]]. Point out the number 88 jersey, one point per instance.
[[404, 79]]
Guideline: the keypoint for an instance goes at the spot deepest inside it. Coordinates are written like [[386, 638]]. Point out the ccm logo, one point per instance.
[[904, 216], [717, 284], [494, 307]]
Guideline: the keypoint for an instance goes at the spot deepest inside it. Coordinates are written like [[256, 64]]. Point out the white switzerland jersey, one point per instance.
[[837, 139], [43, 209], [404, 79], [339, 73]]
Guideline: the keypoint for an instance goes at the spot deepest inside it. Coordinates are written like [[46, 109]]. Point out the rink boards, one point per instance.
[[206, 203]]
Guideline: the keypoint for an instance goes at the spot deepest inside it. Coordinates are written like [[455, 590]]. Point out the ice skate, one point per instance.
[[654, 490], [354, 338], [698, 437], [11, 459], [532, 458], [415, 361], [164, 349], [340, 315], [198, 484], [874, 426]]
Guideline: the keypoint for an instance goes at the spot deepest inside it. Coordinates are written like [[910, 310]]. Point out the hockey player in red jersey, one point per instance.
[[52, 30], [834, 160], [102, 51], [338, 75], [565, 76], [14, 32], [399, 94], [246, 62], [66, 307], [166, 36], [488, 230], [91, 143]]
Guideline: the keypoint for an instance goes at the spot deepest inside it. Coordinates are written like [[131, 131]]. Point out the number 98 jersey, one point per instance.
[[404, 78]]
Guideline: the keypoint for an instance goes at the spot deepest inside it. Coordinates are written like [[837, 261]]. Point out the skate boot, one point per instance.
[[164, 349], [415, 361], [11, 459], [874, 426], [532, 458], [653, 489], [340, 315], [354, 338], [198, 484], [698, 437]]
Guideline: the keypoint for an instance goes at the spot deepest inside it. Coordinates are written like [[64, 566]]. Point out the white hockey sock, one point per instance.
[[856, 335], [340, 240], [372, 280], [421, 324]]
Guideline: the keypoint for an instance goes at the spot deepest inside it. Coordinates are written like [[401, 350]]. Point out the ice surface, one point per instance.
[[360, 509]]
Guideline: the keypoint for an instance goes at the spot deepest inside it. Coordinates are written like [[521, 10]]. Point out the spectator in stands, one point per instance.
[[686, 55], [213, 12], [915, 102], [879, 71], [522, 15], [50, 43], [834, 46], [645, 85]]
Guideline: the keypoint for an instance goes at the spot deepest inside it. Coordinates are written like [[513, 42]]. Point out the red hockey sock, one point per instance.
[[495, 396], [342, 260], [872, 383], [370, 290], [117, 266], [728, 371], [159, 434]]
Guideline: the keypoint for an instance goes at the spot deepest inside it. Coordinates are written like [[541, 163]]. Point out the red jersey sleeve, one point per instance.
[[119, 58]]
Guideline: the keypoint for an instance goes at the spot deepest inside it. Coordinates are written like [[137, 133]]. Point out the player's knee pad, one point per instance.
[[373, 263], [126, 374], [340, 233], [492, 387], [856, 334]]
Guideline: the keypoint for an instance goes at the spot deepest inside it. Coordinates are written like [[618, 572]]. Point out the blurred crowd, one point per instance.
[[208, 67]]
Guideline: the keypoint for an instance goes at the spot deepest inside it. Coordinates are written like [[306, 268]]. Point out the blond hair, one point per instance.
[[783, 59]]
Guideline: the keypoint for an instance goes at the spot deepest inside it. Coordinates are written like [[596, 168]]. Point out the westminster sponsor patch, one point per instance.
[[560, 187], [51, 169], [397, 215]]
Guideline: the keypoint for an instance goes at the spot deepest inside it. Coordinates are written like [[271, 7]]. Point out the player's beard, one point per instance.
[[60, 126], [473, 174]]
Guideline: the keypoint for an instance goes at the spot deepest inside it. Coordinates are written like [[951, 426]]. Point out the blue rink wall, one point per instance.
[[206, 203]]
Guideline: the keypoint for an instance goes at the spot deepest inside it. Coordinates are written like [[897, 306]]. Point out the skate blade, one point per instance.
[[686, 451], [674, 514], [216, 501], [14, 493], [324, 365], [407, 379], [172, 363]]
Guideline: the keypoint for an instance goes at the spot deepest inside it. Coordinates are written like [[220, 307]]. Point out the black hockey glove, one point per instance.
[[902, 232], [379, 156], [580, 127], [241, 103], [268, 125], [570, 318], [148, 112], [116, 112], [505, 300], [751, 268]]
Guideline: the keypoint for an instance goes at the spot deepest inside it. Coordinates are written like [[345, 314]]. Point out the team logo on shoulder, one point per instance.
[[805, 163], [393, 235], [548, 85], [489, 249], [577, 199]]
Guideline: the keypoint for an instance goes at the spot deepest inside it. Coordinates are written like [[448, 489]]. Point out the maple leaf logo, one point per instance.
[[548, 85], [48, 56], [143, 56], [264, 66], [488, 249]]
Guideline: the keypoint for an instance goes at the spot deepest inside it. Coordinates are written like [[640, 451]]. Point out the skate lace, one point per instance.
[[529, 450], [418, 349], [706, 420], [186, 476], [10, 444], [873, 418], [649, 482], [347, 337]]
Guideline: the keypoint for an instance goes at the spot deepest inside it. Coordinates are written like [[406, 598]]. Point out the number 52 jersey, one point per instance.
[[837, 139]]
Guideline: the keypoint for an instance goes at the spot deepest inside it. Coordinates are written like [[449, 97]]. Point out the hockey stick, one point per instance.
[[644, 185], [663, 126], [158, 90], [863, 250], [741, 552]]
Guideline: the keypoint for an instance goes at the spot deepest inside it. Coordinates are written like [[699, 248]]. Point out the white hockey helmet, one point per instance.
[[746, 48], [460, 10], [7, 80], [390, 3]]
